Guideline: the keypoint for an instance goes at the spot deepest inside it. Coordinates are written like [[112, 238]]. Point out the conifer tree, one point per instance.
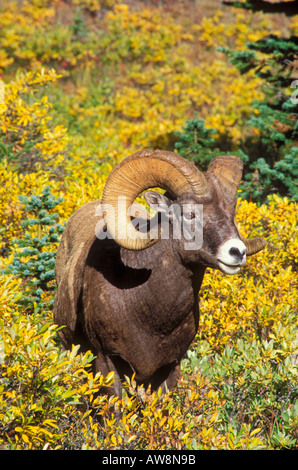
[[196, 143], [34, 257], [273, 154]]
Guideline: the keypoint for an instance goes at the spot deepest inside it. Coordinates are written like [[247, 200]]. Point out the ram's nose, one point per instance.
[[238, 253], [231, 255]]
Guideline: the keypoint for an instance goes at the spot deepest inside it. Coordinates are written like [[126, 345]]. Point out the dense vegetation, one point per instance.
[[87, 83]]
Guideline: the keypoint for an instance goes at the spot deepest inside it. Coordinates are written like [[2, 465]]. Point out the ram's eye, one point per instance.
[[189, 215]]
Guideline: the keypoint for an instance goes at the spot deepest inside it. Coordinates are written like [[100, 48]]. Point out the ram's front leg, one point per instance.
[[171, 381], [105, 365], [166, 377]]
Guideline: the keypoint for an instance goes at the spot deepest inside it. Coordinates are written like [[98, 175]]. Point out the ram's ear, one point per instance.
[[157, 201]]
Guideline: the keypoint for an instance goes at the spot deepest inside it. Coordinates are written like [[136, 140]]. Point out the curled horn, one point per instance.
[[253, 245], [228, 171], [143, 170]]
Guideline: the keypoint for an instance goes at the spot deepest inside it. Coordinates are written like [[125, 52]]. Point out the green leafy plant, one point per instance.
[[34, 258], [197, 143], [257, 385], [273, 151], [47, 394], [264, 179], [200, 144]]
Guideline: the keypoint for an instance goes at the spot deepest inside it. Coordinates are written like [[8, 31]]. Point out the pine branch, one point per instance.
[[288, 8]]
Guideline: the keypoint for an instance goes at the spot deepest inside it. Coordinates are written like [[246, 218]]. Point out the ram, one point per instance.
[[128, 283]]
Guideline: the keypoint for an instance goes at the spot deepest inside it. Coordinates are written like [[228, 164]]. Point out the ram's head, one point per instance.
[[197, 210]]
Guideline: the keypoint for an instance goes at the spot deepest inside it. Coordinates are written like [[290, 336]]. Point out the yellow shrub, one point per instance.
[[45, 393], [264, 294], [130, 78], [29, 140]]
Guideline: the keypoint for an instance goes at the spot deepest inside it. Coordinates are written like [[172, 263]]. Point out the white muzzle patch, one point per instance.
[[231, 256]]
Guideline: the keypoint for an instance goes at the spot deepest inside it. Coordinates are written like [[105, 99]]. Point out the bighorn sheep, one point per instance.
[[130, 296]]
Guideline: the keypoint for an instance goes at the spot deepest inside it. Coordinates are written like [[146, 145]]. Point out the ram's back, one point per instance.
[[78, 236]]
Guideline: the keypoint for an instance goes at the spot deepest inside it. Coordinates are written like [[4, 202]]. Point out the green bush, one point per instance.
[[34, 258], [257, 386], [273, 151], [196, 143], [47, 394]]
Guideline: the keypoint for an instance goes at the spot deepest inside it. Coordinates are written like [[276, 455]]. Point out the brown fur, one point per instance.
[[136, 310]]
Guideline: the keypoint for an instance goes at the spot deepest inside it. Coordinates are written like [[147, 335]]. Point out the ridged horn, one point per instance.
[[143, 170], [228, 171], [253, 245]]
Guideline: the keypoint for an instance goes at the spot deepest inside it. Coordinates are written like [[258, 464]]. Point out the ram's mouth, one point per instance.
[[229, 268]]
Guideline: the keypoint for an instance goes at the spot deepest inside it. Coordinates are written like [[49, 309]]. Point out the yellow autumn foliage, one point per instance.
[[86, 84], [265, 291]]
